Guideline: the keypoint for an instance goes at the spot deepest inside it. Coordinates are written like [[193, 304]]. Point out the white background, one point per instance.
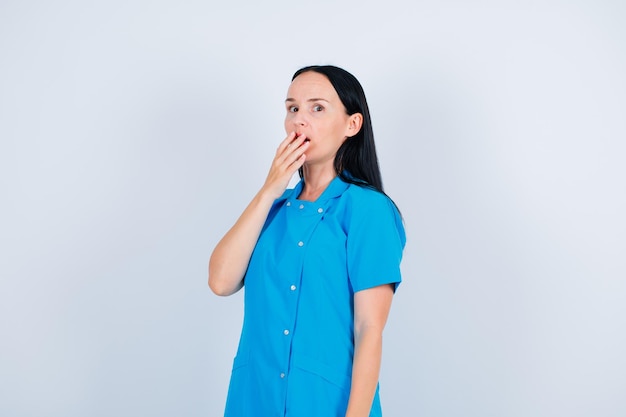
[[133, 133]]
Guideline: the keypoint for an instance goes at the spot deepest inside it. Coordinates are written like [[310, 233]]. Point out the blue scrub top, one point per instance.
[[297, 343]]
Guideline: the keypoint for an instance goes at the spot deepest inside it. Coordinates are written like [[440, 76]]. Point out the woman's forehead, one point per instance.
[[311, 84]]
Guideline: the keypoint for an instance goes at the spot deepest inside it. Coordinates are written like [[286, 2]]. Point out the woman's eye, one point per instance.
[[318, 108], [292, 109]]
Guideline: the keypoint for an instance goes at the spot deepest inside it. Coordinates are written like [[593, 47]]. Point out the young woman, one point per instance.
[[320, 262]]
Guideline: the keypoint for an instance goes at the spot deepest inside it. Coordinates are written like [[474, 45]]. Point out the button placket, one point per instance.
[[304, 222]]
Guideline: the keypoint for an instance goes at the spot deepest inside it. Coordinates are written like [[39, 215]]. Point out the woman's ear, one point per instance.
[[354, 124]]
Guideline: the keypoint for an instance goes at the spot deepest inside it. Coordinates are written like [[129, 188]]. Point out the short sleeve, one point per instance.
[[376, 239]]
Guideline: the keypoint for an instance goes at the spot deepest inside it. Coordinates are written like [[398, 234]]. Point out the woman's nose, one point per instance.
[[298, 119]]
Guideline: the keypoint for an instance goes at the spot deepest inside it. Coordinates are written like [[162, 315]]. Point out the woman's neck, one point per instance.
[[316, 179]]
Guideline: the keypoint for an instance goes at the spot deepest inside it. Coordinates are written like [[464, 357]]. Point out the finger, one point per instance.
[[296, 142], [295, 165], [293, 146], [297, 154], [285, 143]]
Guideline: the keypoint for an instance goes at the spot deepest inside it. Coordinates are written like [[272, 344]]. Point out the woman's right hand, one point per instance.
[[290, 156]]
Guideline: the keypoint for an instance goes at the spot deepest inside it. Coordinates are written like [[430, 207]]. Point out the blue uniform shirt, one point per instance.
[[295, 353]]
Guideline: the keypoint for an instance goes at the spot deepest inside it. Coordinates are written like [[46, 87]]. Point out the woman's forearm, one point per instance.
[[231, 256], [365, 371]]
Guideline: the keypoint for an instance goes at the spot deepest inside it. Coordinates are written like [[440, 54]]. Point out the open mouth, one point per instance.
[[300, 134]]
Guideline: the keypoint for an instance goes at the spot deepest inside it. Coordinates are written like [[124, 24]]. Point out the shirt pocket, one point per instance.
[[240, 361], [316, 389], [327, 372], [238, 389]]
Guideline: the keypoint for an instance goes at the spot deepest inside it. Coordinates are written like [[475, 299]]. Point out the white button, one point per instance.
[[286, 332], [320, 210], [282, 374], [301, 243], [288, 203], [293, 288], [301, 206]]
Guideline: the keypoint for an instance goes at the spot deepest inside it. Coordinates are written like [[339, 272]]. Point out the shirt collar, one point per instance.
[[334, 189]]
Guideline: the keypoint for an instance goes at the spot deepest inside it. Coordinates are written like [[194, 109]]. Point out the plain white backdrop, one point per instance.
[[133, 133]]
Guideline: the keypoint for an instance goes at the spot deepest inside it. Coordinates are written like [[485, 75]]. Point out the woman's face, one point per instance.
[[315, 110]]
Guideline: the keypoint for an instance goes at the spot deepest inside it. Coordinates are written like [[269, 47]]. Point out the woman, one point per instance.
[[320, 262]]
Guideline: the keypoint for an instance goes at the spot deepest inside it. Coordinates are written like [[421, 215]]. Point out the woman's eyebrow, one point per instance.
[[291, 100]]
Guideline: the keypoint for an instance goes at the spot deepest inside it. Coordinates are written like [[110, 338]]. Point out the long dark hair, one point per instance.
[[356, 161]]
